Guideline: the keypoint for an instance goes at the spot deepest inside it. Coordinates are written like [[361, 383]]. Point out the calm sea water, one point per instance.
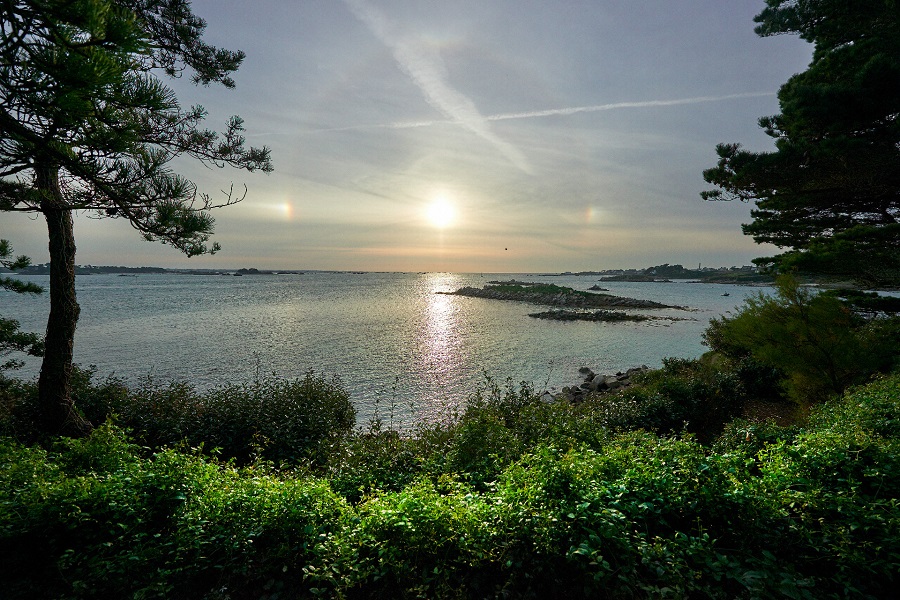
[[389, 337]]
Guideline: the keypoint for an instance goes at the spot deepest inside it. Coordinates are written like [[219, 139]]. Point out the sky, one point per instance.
[[473, 136]]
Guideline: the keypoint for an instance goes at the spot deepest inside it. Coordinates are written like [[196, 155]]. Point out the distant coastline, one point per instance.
[[665, 273], [655, 274]]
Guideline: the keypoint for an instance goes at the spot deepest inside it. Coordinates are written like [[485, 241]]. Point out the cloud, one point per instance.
[[551, 112], [601, 107], [425, 68]]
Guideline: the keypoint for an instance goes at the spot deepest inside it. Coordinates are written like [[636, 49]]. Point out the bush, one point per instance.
[[818, 345], [292, 420], [685, 395], [93, 519], [370, 462], [800, 513]]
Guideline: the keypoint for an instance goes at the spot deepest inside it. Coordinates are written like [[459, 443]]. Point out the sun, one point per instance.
[[441, 213]]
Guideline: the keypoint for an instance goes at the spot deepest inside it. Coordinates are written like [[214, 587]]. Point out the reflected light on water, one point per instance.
[[439, 341]]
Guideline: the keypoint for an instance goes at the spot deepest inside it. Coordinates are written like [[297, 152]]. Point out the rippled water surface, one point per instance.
[[388, 336]]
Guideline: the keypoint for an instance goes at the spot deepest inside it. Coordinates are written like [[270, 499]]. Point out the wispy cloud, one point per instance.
[[552, 112], [617, 105], [425, 68]]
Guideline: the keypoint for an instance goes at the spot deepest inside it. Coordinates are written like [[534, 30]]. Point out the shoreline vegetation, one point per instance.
[[651, 489]]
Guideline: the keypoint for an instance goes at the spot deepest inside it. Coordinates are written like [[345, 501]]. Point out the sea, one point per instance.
[[396, 343]]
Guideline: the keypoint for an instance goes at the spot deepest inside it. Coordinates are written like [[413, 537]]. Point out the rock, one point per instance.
[[614, 385], [594, 384]]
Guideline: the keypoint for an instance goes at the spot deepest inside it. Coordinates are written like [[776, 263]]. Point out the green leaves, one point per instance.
[[813, 513], [816, 343], [11, 339], [829, 193]]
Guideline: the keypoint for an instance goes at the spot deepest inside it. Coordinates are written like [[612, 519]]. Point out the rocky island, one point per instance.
[[554, 295], [602, 316]]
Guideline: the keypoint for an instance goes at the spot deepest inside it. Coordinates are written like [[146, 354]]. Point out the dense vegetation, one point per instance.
[[515, 498]]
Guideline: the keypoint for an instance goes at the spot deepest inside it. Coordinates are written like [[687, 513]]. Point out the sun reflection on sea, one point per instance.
[[439, 340]]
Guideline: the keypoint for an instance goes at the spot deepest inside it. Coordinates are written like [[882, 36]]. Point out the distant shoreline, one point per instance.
[[662, 274]]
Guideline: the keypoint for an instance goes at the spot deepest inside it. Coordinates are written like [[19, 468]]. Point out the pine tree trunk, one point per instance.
[[56, 406]]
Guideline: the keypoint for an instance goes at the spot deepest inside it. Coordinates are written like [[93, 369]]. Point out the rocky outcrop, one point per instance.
[[593, 384], [514, 282], [604, 316], [551, 295]]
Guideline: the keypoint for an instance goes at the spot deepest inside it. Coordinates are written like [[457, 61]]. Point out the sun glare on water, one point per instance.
[[441, 213]]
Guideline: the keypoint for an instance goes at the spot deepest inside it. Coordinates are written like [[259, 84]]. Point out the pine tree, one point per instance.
[[87, 124], [11, 338], [830, 192]]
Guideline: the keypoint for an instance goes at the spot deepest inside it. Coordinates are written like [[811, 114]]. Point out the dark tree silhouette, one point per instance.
[[830, 192], [87, 124]]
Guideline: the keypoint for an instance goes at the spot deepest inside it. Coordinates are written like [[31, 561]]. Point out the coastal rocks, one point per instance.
[[605, 316], [602, 316], [593, 384], [552, 295]]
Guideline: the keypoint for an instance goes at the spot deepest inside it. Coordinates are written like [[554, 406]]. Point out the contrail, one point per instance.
[[426, 69], [599, 107], [551, 112]]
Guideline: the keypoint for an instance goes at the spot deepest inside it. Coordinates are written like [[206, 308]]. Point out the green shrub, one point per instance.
[[93, 519], [426, 541], [685, 395], [749, 438], [817, 344], [369, 462], [292, 420], [807, 512]]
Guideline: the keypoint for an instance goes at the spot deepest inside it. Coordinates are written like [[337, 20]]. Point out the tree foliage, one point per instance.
[[86, 124], [818, 345], [11, 338], [830, 191], [82, 105]]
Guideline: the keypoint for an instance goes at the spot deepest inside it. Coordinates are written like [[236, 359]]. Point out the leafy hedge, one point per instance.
[[560, 512], [294, 420]]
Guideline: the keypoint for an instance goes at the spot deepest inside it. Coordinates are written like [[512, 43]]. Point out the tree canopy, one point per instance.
[[81, 104], [86, 124], [829, 194]]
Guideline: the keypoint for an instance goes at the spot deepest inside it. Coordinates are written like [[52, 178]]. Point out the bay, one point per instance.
[[391, 338]]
